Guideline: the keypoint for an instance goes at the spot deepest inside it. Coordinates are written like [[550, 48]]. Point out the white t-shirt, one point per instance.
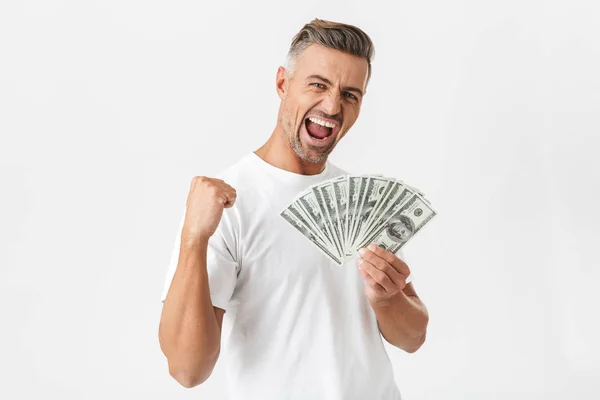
[[301, 326]]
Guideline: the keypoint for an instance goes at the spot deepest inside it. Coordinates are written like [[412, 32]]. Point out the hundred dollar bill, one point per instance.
[[353, 199], [332, 211], [401, 195], [414, 189], [304, 230], [382, 204], [394, 233], [376, 187], [301, 214], [340, 190], [362, 188], [378, 215], [311, 205], [325, 198], [374, 202]]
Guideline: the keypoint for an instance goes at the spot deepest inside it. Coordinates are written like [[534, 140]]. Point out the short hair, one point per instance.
[[334, 35]]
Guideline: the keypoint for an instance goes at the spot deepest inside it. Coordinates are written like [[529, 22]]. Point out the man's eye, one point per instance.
[[319, 85], [350, 96]]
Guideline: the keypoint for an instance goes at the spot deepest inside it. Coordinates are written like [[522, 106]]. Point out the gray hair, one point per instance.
[[334, 35]]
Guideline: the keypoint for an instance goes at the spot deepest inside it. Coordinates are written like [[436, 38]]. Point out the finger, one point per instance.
[[226, 186], [384, 266], [229, 194], [391, 258], [229, 198], [378, 275], [225, 196], [370, 281]]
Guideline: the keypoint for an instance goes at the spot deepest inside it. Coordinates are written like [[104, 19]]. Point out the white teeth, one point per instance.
[[321, 122]]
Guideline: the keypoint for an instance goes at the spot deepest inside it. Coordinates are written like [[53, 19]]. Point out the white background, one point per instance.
[[109, 108]]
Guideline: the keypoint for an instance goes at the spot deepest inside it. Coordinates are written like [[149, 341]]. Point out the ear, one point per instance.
[[281, 83]]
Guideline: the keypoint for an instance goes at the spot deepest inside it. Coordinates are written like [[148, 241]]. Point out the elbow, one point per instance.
[[190, 373], [190, 377], [415, 344]]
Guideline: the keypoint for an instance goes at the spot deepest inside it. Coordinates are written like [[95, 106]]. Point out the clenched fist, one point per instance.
[[204, 207]]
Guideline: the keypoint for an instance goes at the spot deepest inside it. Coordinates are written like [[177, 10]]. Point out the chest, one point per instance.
[[272, 253]]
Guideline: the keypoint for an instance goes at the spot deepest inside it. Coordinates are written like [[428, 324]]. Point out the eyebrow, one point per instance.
[[327, 81]]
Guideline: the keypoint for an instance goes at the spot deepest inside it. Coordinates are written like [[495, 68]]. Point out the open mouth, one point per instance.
[[319, 129]]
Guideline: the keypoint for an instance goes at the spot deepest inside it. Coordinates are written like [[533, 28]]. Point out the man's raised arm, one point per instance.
[[190, 327]]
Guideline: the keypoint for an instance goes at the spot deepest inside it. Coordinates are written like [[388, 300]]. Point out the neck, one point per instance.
[[277, 152]]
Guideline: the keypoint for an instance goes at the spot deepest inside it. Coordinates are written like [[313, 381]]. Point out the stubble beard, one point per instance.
[[304, 151]]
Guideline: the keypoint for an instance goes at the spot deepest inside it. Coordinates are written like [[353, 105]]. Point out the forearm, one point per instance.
[[403, 321], [189, 333]]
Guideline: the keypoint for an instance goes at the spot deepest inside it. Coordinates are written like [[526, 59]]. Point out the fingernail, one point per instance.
[[371, 247], [361, 251]]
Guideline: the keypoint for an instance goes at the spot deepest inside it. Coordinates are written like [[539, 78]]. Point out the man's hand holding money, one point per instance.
[[384, 273]]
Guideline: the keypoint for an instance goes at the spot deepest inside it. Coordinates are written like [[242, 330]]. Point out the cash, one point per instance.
[[344, 214]]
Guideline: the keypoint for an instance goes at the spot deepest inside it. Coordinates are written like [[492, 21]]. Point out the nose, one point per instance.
[[332, 103]]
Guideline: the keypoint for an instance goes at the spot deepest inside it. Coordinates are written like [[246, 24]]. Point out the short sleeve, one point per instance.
[[221, 263]]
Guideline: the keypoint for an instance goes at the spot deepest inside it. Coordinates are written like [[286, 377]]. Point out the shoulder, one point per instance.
[[237, 173]]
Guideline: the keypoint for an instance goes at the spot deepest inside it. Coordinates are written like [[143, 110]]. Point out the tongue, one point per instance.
[[317, 130]]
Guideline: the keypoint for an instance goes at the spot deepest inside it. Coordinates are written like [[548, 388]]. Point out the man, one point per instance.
[[302, 327], [401, 229]]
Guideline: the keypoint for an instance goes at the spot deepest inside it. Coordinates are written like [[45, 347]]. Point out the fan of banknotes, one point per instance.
[[349, 212]]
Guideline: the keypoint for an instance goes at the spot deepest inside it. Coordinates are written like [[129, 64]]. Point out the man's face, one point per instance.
[[322, 100], [401, 231]]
